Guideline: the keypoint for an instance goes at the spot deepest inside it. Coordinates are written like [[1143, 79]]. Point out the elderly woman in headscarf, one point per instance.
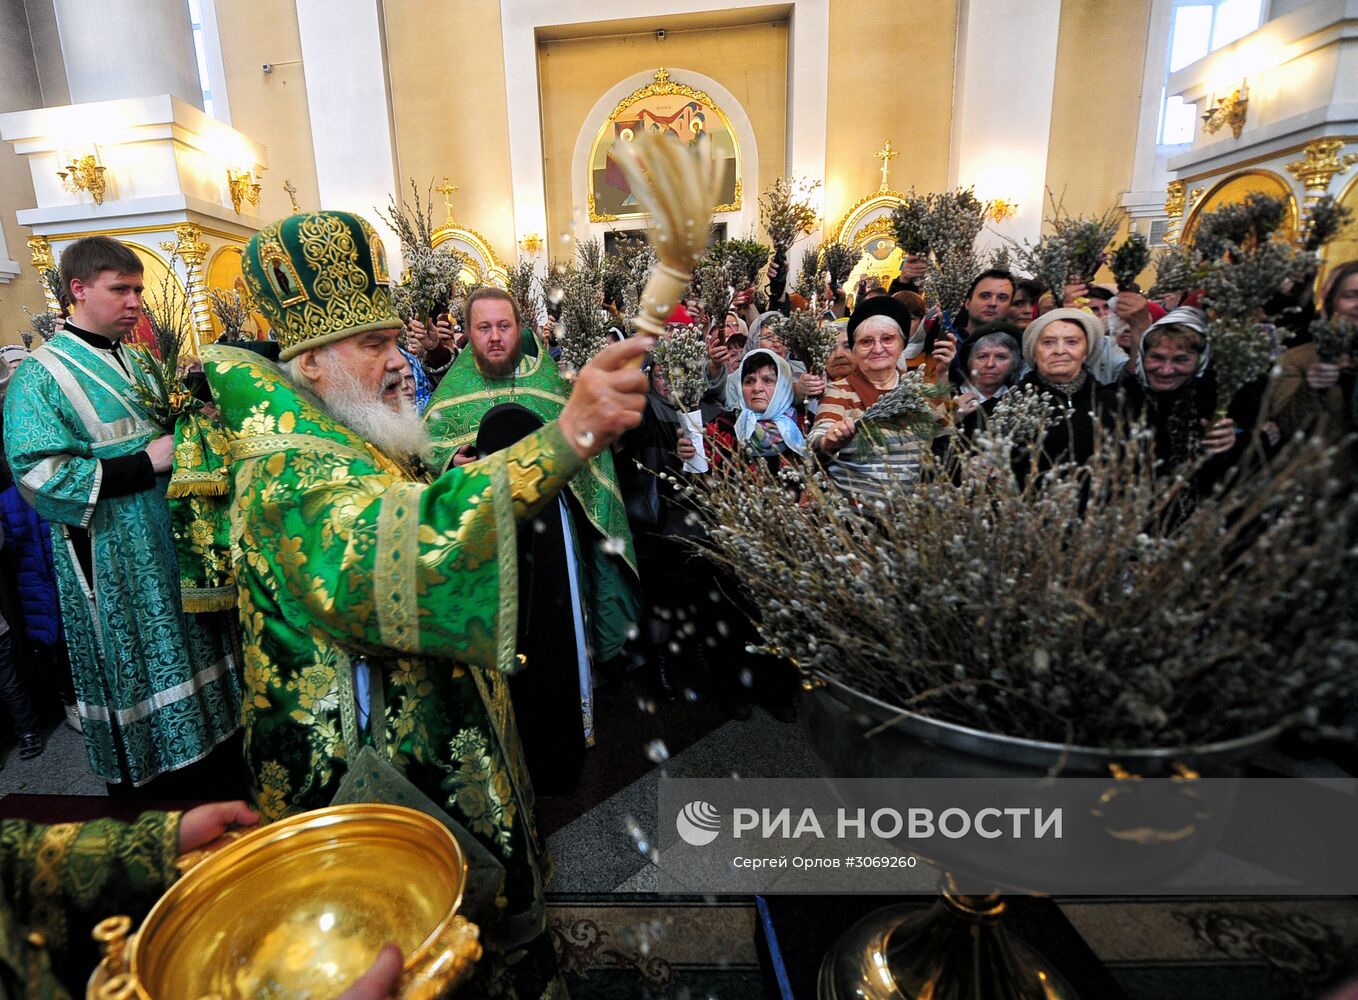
[[1174, 392], [764, 333], [1056, 346], [766, 425], [765, 428], [876, 334]]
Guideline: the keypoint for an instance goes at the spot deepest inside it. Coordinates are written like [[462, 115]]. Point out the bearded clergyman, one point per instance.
[[577, 567], [378, 615]]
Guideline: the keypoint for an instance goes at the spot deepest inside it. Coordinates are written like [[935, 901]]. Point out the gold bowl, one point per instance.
[[301, 908]]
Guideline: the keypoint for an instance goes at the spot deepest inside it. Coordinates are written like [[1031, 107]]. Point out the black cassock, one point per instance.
[[546, 690]]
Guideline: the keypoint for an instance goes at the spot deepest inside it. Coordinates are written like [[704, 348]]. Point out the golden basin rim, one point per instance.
[[220, 862]]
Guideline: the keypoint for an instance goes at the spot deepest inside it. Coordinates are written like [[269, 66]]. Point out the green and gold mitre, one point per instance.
[[319, 277]]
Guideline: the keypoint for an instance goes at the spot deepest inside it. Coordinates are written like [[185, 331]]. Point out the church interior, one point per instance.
[[183, 127]]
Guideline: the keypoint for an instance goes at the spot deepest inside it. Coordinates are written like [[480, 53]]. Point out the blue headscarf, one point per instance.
[[752, 429], [423, 388]]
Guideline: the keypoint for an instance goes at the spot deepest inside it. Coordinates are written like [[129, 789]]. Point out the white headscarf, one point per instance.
[[780, 409], [1194, 319]]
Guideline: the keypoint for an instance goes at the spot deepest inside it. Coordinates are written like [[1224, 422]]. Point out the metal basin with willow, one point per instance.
[[958, 949]]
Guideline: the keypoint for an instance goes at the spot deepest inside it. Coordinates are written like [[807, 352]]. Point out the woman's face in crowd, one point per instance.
[[773, 342], [1021, 307], [732, 325], [1168, 366], [840, 362], [757, 388], [876, 350], [1060, 351], [991, 367], [1346, 299]]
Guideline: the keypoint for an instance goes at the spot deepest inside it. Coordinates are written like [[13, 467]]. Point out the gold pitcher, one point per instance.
[[301, 908]]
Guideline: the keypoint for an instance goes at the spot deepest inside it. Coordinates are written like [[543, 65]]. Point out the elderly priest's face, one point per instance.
[[359, 381]]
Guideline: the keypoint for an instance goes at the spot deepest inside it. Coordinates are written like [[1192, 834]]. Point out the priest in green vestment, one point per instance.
[[529, 377], [156, 689], [378, 609]]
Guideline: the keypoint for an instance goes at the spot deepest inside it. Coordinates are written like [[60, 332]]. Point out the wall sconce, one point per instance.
[[1228, 111], [243, 187], [531, 243], [84, 173], [1003, 208]]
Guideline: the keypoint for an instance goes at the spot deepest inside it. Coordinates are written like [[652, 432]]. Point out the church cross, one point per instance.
[[447, 190], [291, 189], [662, 75], [886, 154]]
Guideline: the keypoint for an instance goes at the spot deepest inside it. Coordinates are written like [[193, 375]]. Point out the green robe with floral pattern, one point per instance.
[[59, 881], [339, 554], [155, 689]]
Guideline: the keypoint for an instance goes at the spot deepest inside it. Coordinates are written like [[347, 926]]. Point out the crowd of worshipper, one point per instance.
[[328, 548], [1110, 360]]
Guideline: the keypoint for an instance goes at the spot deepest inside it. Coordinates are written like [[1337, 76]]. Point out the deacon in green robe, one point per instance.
[[156, 689], [378, 610]]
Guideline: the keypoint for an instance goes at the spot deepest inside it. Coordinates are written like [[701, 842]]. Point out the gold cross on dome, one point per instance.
[[662, 75], [886, 154], [447, 190]]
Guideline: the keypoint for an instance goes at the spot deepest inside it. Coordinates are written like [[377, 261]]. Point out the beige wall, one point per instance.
[[448, 95], [1096, 103], [891, 77], [19, 91], [270, 108], [748, 60]]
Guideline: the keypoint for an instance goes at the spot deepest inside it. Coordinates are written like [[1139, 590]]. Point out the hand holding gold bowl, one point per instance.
[[301, 908]]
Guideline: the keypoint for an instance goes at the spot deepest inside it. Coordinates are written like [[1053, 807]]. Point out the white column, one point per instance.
[[128, 48], [1006, 73], [808, 96], [344, 63], [1150, 165]]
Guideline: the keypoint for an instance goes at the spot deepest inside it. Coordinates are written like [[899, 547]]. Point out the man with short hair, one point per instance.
[[579, 574], [987, 300], [156, 690], [378, 611]]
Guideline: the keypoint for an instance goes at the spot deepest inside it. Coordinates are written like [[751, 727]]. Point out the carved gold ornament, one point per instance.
[[1322, 164], [1176, 199]]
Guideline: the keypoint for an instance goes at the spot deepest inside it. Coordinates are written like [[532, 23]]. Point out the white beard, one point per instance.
[[397, 432]]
